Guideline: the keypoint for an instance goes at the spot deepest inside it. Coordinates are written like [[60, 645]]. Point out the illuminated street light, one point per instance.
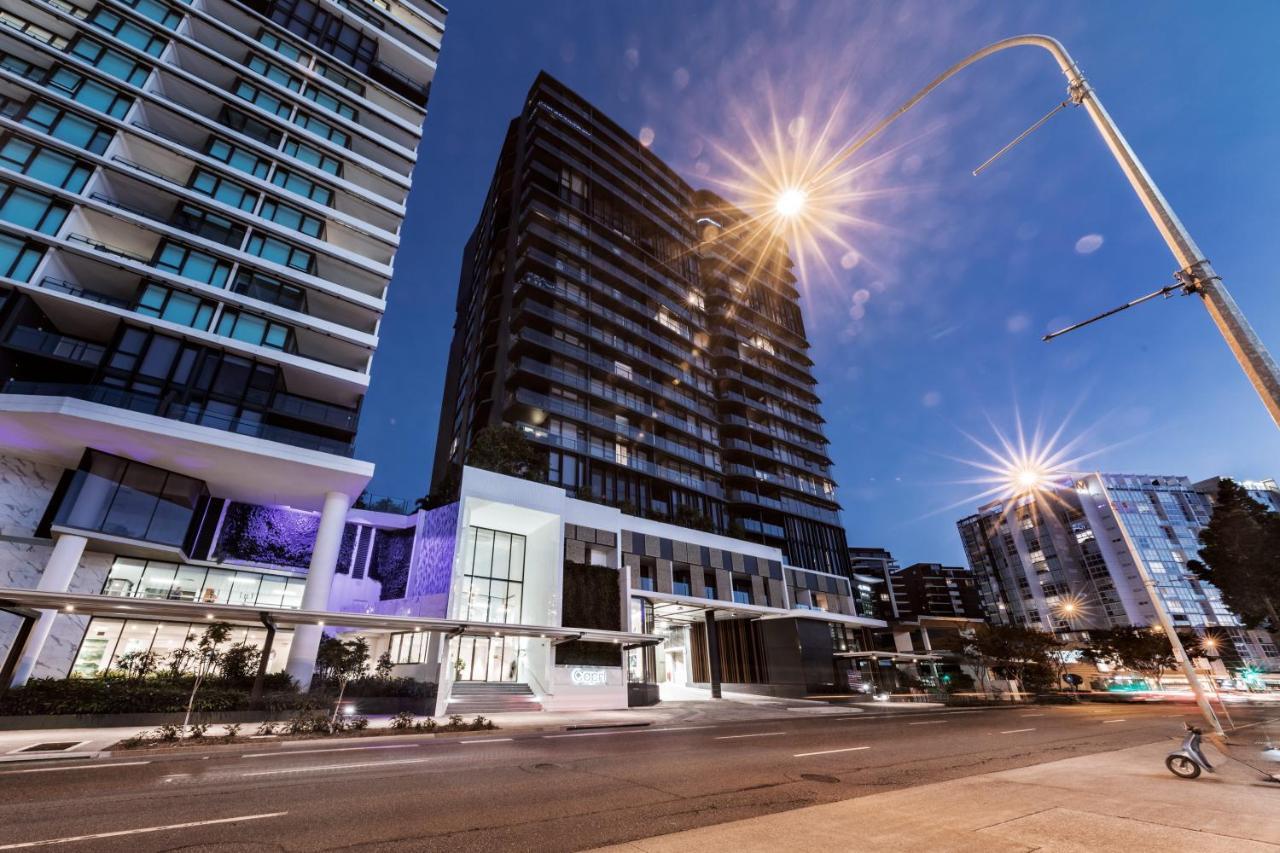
[[1195, 275], [791, 202]]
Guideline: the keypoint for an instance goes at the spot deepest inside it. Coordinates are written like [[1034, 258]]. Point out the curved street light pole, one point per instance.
[[1195, 275]]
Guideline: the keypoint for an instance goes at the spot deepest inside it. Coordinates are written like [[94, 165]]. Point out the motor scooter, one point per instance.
[[1189, 759]]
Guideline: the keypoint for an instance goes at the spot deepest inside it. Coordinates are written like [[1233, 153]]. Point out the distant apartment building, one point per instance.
[[1067, 561], [200, 204], [608, 311], [1265, 492], [932, 589]]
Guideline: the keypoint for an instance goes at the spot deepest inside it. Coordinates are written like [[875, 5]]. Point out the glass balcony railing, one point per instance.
[[63, 347], [190, 413]]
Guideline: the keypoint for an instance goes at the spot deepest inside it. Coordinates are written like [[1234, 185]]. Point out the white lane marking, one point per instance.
[[286, 754], [75, 767], [173, 776], [928, 722], [1016, 731], [1104, 722], [488, 740], [758, 734], [679, 728], [829, 751], [69, 839], [592, 734], [1024, 716], [631, 731], [355, 766]]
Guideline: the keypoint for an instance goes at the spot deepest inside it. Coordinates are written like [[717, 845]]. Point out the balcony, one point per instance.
[[130, 500], [52, 345], [149, 405]]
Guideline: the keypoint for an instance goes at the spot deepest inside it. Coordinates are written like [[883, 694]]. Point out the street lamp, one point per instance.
[[1194, 274]]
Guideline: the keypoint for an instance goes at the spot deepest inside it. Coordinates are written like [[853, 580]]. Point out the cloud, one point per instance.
[[931, 399], [1088, 244], [1017, 323]]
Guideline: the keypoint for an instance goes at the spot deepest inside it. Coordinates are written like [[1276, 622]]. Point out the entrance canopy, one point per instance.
[[186, 611], [896, 657], [688, 608]]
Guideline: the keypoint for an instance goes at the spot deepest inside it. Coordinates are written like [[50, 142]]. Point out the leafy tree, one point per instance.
[[205, 659], [443, 492], [505, 450], [1142, 650], [691, 517], [1012, 651], [341, 661], [136, 666], [1241, 556], [385, 666], [240, 662]]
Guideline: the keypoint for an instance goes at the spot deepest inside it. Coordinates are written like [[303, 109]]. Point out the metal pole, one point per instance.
[[1194, 271], [1162, 615]]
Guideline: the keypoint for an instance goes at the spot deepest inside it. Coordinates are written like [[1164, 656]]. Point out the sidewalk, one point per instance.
[[92, 742], [1122, 801]]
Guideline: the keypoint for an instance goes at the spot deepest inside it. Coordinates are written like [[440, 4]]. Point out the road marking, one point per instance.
[[928, 722], [75, 767], [69, 839], [173, 776], [1024, 716], [758, 734], [829, 751], [631, 731], [290, 752], [488, 740], [1016, 731], [676, 729], [338, 767], [1104, 722]]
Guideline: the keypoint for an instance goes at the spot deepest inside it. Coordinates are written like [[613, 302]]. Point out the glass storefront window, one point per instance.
[[107, 640], [493, 578], [132, 578]]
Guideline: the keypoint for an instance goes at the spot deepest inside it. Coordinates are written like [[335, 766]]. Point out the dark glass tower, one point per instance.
[[601, 311]]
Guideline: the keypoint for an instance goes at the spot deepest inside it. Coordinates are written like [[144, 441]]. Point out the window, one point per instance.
[[121, 497], [158, 12], [210, 226], [493, 582], [94, 95], [67, 126], [275, 73], [255, 330], [127, 31], [250, 127], [291, 217], [313, 156], [282, 47], [239, 158], [329, 102], [110, 61], [681, 581], [165, 303], [261, 98], [18, 258], [326, 31], [192, 263], [44, 164], [225, 191], [328, 72], [107, 641], [30, 209], [21, 67], [25, 27], [258, 286], [709, 585], [305, 187], [280, 252], [409, 647], [322, 129]]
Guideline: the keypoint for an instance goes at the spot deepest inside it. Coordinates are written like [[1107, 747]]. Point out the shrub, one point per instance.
[[267, 728], [480, 723], [428, 725], [233, 729], [358, 723], [168, 733], [402, 720], [455, 721], [197, 730], [308, 722], [135, 741]]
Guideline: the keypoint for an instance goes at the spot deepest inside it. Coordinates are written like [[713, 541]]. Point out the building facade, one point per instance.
[[932, 589], [1067, 561], [515, 590], [200, 203], [602, 312]]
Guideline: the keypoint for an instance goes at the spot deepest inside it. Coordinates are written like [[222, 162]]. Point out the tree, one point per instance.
[[385, 666], [1143, 650], [341, 661], [240, 662], [505, 450], [136, 666], [1013, 651], [691, 517], [1240, 554], [443, 492], [205, 658]]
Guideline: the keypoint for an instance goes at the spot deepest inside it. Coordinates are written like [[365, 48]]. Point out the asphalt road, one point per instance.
[[537, 792]]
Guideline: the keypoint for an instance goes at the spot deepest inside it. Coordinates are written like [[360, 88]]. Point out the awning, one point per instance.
[[896, 657], [688, 608], [187, 611]]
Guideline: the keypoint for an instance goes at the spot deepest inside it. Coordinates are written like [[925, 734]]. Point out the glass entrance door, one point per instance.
[[488, 659]]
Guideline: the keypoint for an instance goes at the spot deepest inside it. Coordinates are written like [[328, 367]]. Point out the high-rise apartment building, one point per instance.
[[1068, 560], [932, 589], [603, 311], [200, 203], [872, 569]]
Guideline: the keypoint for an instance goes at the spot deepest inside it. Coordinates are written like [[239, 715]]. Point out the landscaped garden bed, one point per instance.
[[307, 725]]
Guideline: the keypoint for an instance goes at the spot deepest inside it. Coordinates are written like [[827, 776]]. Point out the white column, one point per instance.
[[315, 596], [67, 551]]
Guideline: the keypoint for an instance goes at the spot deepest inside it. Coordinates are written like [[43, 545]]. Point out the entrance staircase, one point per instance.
[[469, 698]]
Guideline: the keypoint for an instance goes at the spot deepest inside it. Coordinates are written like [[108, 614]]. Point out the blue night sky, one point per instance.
[[961, 275]]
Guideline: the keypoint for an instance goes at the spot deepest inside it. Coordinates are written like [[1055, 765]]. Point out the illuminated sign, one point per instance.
[[588, 677]]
